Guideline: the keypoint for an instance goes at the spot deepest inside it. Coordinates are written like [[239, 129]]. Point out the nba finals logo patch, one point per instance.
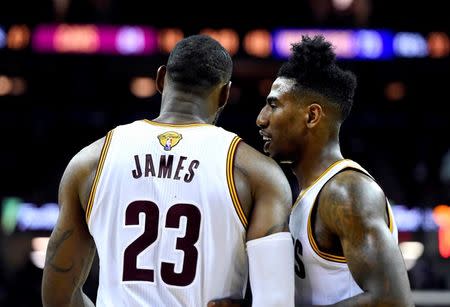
[[169, 139]]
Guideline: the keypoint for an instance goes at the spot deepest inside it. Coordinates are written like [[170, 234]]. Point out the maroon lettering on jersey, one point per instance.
[[149, 167], [179, 168], [165, 166], [137, 173], [194, 165]]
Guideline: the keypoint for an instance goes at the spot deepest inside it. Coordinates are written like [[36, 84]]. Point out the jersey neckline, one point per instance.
[[187, 125]]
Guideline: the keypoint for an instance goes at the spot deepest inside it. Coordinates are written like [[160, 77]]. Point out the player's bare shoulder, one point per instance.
[[260, 173], [248, 158], [351, 195], [80, 171]]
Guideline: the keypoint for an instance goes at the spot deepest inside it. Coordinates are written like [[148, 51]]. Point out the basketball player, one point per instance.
[[173, 205], [346, 250], [345, 237]]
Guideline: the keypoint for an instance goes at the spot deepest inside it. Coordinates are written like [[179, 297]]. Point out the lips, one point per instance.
[[267, 140], [265, 136]]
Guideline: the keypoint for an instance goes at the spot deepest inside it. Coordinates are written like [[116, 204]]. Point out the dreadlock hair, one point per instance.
[[313, 65], [199, 61]]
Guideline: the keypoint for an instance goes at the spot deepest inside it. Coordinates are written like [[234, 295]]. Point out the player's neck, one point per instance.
[[184, 111], [314, 162]]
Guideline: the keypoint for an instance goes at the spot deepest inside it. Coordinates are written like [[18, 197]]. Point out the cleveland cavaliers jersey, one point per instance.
[[321, 278], [165, 216]]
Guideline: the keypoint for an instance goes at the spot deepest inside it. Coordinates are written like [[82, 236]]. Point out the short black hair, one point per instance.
[[313, 65], [199, 60]]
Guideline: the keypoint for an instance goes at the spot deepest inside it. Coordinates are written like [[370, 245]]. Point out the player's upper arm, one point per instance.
[[264, 190], [352, 201], [265, 194], [353, 207], [71, 248]]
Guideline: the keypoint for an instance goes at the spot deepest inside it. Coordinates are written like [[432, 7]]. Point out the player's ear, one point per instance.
[[224, 94], [314, 114], [160, 75]]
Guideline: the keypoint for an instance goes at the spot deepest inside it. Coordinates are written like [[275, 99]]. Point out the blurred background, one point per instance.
[[72, 70]]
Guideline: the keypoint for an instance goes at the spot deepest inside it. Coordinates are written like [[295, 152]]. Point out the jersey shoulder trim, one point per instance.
[[230, 181], [98, 172], [303, 192], [390, 217]]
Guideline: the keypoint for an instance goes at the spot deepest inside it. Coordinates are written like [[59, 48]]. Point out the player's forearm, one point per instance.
[[272, 270]]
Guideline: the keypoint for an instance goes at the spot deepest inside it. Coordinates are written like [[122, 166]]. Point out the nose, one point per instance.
[[263, 119]]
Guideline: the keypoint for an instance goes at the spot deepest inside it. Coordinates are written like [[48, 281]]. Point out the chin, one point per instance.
[[281, 158]]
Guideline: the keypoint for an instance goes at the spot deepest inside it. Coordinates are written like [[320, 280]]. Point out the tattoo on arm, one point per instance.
[[373, 257], [54, 245]]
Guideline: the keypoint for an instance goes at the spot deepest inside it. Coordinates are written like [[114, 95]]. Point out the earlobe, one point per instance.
[[314, 114], [160, 75], [224, 94]]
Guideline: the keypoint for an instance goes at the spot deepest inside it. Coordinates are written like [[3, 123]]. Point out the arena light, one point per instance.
[[395, 90], [349, 44], [410, 45], [441, 215], [6, 85], [14, 86], [10, 207], [168, 38], [76, 39], [143, 87], [39, 248], [373, 44], [438, 44], [342, 40], [103, 39], [342, 5], [31, 217], [258, 43], [411, 251], [22, 216], [227, 37], [2, 38], [18, 37], [413, 219], [132, 40]]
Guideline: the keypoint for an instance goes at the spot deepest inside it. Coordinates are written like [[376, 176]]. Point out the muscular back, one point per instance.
[[159, 210], [260, 183]]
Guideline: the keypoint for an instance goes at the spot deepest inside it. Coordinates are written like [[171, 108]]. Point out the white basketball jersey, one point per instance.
[[321, 278], [165, 216]]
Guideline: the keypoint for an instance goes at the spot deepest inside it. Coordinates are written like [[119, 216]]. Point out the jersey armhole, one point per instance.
[[230, 181], [312, 241], [98, 172]]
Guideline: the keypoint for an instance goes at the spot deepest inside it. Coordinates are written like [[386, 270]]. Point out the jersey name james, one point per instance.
[[167, 166]]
